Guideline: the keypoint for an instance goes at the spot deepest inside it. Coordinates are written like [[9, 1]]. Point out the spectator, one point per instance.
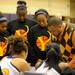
[[22, 23]]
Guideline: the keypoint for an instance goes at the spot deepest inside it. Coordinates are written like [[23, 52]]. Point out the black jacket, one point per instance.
[[35, 32], [17, 24]]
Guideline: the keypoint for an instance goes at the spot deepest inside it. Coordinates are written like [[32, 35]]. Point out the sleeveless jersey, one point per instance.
[[46, 70], [7, 68]]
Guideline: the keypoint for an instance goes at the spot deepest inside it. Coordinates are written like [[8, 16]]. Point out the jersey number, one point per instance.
[[5, 71]]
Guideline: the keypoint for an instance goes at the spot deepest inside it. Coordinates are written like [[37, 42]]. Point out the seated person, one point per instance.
[[15, 62], [52, 64]]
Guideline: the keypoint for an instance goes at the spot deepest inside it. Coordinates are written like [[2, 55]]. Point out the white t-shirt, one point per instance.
[[46, 71], [7, 67]]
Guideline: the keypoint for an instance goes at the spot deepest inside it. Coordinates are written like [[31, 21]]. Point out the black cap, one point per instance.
[[21, 5], [21, 2]]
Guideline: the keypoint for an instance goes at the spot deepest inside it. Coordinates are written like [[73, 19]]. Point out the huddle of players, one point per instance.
[[38, 36]]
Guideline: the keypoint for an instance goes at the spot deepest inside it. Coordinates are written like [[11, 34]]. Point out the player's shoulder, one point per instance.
[[20, 64]]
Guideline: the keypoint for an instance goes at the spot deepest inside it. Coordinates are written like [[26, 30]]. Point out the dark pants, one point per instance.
[[68, 71]]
